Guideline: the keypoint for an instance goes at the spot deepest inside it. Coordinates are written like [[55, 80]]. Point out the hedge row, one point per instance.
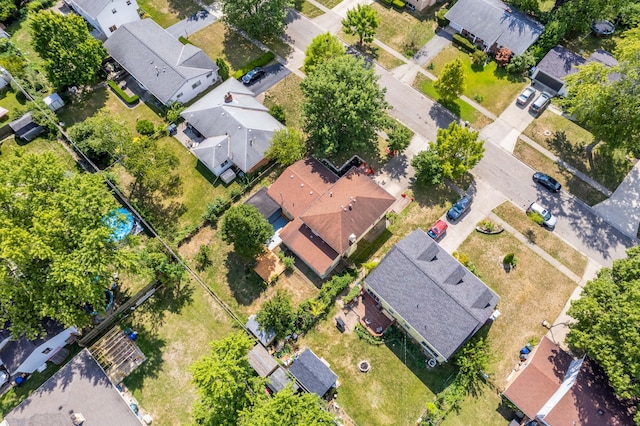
[[464, 43], [398, 4], [263, 60], [128, 99], [442, 21]]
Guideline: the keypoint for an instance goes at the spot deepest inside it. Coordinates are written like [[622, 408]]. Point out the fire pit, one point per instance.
[[364, 366]]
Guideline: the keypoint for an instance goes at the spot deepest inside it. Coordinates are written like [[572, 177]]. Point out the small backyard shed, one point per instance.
[[313, 374]]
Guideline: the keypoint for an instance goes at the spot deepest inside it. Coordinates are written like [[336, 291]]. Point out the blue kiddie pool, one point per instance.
[[121, 222]]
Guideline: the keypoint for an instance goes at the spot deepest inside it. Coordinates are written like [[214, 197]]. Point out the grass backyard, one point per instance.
[[492, 84], [288, 95], [174, 329], [607, 166], [459, 107], [310, 11], [168, 12], [21, 37], [330, 4], [485, 408], [373, 51], [568, 180], [39, 145], [395, 390], [554, 246]]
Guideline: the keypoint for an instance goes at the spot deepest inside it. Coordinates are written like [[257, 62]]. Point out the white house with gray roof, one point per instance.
[[494, 24], [237, 128], [169, 70], [433, 297], [106, 16]]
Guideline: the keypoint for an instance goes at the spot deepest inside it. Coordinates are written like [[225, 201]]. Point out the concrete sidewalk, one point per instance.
[[622, 209], [194, 23]]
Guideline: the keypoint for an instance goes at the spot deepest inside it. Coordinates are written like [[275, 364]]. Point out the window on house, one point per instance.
[[128, 2], [113, 11], [196, 84], [46, 351], [178, 95], [113, 28], [209, 74]]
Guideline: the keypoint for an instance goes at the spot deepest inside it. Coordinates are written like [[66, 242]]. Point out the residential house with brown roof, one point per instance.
[[553, 389], [328, 214]]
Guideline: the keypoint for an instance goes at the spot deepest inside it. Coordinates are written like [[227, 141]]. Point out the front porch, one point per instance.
[[370, 314]]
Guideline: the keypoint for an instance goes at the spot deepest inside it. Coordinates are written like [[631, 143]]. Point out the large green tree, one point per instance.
[[287, 408], [344, 106], [277, 313], [607, 100], [362, 20], [322, 48], [451, 81], [458, 149], [261, 19], [245, 227], [72, 56], [606, 327], [151, 167], [225, 381], [428, 167], [7, 9], [287, 146], [56, 252], [101, 136]]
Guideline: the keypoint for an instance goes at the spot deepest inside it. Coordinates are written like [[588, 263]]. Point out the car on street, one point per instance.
[[438, 229], [4, 377], [549, 220], [526, 95], [458, 209], [540, 103], [547, 181], [253, 75]]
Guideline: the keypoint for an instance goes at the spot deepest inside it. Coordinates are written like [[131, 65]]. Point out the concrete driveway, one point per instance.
[[273, 74]]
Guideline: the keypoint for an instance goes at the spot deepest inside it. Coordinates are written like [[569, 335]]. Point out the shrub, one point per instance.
[[487, 225], [203, 257], [478, 58], [461, 257], [521, 63], [215, 209], [263, 60], [278, 113], [478, 98], [223, 68], [503, 56], [288, 261], [398, 4], [173, 112], [536, 217], [510, 259], [464, 43], [442, 21], [369, 266], [128, 99], [338, 283], [184, 40], [145, 127]]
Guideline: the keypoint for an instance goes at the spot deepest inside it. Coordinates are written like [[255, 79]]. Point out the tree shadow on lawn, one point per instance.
[[152, 347], [83, 106], [432, 195], [245, 285], [237, 50], [183, 9], [500, 73]]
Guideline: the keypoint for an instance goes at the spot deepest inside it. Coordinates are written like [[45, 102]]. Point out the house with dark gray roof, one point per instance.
[[25, 128], [433, 297], [561, 62], [237, 128], [312, 373], [106, 16], [79, 390], [169, 70], [494, 24]]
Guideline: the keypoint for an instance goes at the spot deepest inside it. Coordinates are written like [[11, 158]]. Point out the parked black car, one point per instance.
[[253, 75], [459, 208], [547, 181]]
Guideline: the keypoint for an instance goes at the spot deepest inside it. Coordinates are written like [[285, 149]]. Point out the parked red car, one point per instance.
[[438, 229]]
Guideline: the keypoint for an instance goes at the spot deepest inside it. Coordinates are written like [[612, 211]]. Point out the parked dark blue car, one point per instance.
[[459, 208]]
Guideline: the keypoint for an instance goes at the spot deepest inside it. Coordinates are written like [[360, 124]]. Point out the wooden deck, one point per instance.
[[371, 316]]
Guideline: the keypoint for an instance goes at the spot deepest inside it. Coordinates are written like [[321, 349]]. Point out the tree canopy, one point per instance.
[[101, 137], [287, 146], [458, 149], [72, 56], [261, 19], [277, 313], [607, 317], [151, 167], [451, 82], [56, 251], [607, 100], [362, 20], [428, 167], [322, 48], [343, 107], [245, 227]]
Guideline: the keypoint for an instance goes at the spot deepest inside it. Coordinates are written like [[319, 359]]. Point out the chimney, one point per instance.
[[228, 97]]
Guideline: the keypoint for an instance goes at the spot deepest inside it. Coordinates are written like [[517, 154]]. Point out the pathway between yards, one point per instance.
[[194, 23]]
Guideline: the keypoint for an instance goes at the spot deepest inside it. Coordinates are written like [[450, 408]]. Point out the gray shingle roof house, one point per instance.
[[262, 361], [237, 128], [170, 70], [494, 24], [312, 374], [106, 15], [81, 387], [431, 295], [25, 128], [560, 62]]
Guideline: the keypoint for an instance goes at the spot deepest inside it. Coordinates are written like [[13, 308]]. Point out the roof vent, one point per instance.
[[350, 206], [310, 192], [77, 419], [352, 238], [228, 97], [330, 194], [291, 176], [302, 185], [251, 142]]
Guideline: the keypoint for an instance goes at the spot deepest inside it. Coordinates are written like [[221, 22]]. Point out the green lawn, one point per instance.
[[557, 248], [9, 100], [329, 3], [39, 145], [486, 408], [403, 31], [168, 12], [395, 390], [288, 95], [310, 11], [497, 87], [373, 51], [19, 31], [219, 41], [607, 166], [174, 329], [459, 107], [568, 180]]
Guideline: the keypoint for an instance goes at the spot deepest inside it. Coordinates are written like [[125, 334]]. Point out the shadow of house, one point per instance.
[[237, 129], [106, 16], [434, 298], [553, 389], [78, 390], [494, 24], [313, 374], [169, 70], [25, 128], [26, 356]]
